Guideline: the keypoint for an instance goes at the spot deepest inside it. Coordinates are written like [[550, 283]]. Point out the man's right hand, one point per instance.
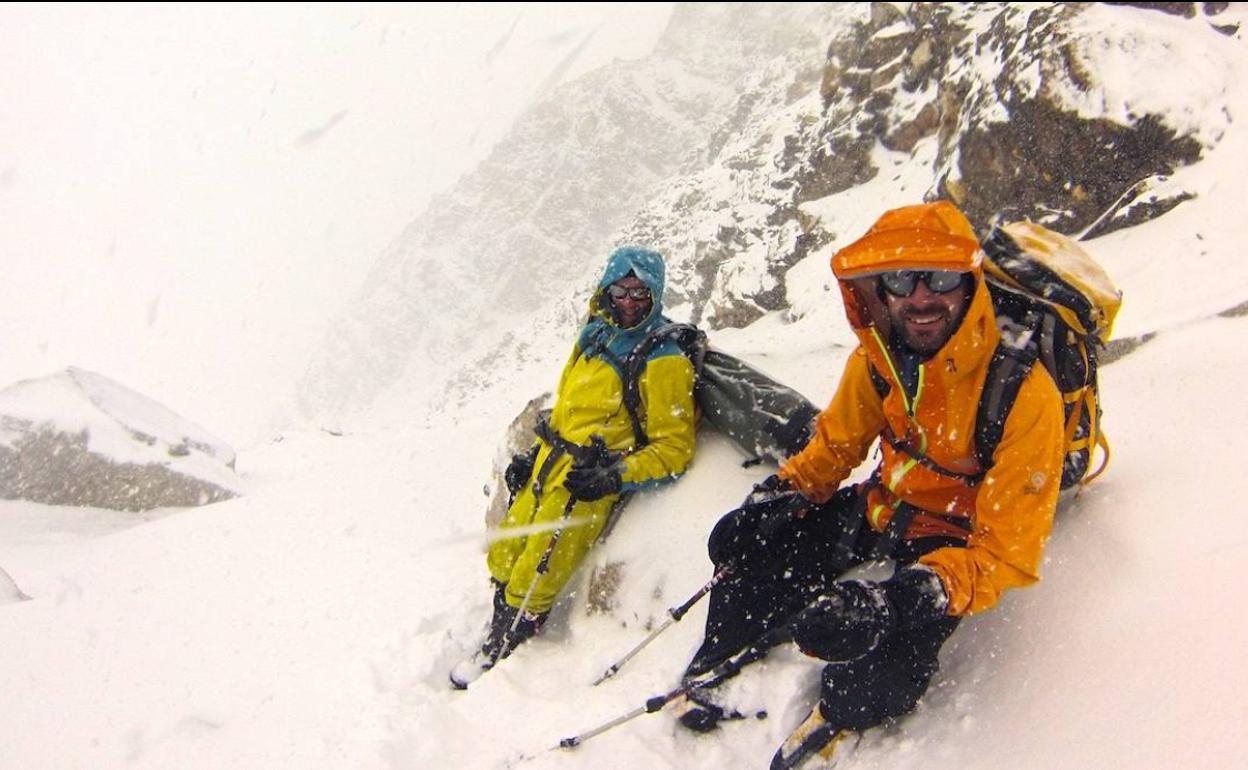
[[770, 490], [764, 513], [519, 471]]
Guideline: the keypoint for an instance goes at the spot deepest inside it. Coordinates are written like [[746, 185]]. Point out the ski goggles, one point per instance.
[[902, 283], [637, 294]]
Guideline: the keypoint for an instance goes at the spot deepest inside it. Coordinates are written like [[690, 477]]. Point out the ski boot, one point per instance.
[[500, 642], [814, 738]]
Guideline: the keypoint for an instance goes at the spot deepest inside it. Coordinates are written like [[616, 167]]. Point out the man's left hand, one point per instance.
[[593, 482]]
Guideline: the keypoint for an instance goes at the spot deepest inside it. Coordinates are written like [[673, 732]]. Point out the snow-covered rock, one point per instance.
[[77, 438], [1017, 111], [737, 147]]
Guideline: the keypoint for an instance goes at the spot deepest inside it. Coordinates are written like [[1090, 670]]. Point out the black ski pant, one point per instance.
[[779, 568]]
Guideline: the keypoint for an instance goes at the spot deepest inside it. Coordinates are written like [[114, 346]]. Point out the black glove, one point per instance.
[[746, 532], [770, 490], [595, 473], [593, 482], [520, 470], [851, 618]]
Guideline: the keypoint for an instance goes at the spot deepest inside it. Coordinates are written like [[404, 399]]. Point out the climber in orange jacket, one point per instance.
[[960, 534]]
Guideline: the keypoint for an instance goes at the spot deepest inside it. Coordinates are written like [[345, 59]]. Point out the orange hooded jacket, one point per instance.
[[1006, 517]]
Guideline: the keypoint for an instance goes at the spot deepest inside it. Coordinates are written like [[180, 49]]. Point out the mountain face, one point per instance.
[[1006, 110], [732, 146], [518, 233]]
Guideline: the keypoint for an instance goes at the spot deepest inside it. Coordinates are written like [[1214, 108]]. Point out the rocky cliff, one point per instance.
[[1010, 111]]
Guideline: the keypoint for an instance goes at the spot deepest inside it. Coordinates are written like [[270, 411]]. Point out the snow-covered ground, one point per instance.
[[311, 623]]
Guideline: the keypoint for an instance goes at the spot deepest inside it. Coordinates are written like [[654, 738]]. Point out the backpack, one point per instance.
[[1054, 304], [764, 417]]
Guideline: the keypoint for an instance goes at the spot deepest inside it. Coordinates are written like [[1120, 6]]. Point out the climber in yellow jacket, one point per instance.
[[590, 451], [960, 534]]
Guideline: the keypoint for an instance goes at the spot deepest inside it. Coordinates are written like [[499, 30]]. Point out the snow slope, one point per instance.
[[310, 623]]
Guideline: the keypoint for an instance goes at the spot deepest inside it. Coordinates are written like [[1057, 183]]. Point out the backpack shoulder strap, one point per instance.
[[692, 342], [1011, 362]]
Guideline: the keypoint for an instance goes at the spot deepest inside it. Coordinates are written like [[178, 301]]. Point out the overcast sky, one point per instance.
[[223, 175]]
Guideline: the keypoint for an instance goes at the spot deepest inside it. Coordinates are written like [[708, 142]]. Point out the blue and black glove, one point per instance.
[[852, 617], [593, 482]]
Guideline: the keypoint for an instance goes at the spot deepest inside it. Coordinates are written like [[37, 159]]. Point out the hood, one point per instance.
[[929, 236], [601, 331], [645, 264]]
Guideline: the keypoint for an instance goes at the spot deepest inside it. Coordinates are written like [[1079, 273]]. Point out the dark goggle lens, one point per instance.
[[619, 292], [902, 283]]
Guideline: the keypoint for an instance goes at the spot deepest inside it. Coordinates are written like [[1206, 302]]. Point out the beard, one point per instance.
[[925, 330]]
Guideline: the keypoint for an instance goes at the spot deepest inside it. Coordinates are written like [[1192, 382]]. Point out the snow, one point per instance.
[[1145, 41], [311, 622]]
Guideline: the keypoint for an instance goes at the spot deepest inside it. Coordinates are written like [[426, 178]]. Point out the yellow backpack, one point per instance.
[[1054, 304]]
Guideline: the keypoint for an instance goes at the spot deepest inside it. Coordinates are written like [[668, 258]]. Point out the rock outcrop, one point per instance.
[[77, 438], [1003, 107]]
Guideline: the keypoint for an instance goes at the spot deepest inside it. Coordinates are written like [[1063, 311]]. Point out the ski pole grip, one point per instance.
[[657, 702]]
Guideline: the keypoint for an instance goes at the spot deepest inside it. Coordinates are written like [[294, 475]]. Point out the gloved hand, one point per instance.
[[852, 617], [770, 490], [765, 513], [596, 472], [593, 482], [519, 470]]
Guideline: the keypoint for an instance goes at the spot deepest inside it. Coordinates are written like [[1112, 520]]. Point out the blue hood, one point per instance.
[[645, 264], [600, 332]]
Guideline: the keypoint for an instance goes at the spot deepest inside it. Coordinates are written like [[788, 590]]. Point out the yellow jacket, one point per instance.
[[1006, 517]]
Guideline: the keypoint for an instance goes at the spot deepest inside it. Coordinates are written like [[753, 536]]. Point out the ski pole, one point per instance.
[[711, 678], [708, 679], [768, 527], [675, 614]]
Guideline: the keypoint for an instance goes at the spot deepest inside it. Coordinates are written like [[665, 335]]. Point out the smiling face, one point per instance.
[[630, 310], [927, 319]]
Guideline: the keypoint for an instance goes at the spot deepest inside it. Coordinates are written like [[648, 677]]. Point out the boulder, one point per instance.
[[77, 438], [519, 438]]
